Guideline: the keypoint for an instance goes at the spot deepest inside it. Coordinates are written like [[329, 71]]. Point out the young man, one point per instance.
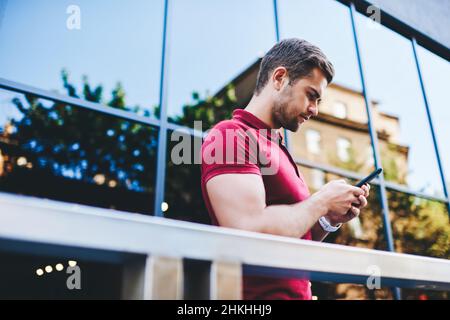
[[259, 188]]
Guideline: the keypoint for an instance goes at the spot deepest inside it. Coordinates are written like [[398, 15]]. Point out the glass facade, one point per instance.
[[62, 84], [107, 50]]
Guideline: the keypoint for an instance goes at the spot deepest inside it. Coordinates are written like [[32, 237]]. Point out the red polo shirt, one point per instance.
[[283, 183]]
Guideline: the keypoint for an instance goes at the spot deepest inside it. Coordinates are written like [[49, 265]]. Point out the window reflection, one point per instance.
[[340, 110], [343, 149], [183, 193], [315, 21], [420, 226], [406, 150], [313, 141], [113, 48], [67, 153], [436, 77], [214, 50]]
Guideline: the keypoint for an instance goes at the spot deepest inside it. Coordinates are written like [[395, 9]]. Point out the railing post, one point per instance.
[[226, 281], [163, 278], [153, 278]]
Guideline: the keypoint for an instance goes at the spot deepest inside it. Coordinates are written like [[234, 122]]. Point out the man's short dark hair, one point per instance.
[[298, 56]]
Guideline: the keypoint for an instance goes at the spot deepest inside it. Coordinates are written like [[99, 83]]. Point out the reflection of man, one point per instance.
[[292, 78]]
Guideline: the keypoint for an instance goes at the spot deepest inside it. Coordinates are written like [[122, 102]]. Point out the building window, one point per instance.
[[313, 141], [318, 179], [370, 160], [340, 110], [343, 149]]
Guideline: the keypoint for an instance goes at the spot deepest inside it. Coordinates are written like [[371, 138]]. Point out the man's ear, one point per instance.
[[279, 77]]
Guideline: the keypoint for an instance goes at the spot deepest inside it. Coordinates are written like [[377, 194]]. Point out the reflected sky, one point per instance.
[[327, 24], [212, 42], [116, 42], [436, 77], [392, 80]]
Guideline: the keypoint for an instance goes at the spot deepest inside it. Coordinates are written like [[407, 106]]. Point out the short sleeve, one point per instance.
[[228, 148]]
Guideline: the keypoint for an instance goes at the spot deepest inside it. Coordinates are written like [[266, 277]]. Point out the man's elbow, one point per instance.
[[247, 223]]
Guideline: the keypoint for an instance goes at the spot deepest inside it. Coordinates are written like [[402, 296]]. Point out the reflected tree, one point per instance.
[[208, 109], [183, 189], [69, 141]]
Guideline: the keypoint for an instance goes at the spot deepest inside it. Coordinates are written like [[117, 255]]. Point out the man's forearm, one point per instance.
[[288, 220]]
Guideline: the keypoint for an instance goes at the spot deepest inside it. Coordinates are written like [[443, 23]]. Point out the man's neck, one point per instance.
[[262, 110]]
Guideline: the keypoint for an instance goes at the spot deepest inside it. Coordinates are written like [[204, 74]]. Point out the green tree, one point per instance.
[[70, 141], [208, 109]]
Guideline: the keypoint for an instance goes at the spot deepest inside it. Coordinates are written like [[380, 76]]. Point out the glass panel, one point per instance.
[[222, 42], [406, 146], [20, 280], [183, 195], [413, 294], [349, 291], [420, 226], [436, 77], [117, 46], [312, 21], [82, 156]]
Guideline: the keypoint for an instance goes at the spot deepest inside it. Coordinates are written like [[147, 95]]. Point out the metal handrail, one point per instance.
[[39, 222]]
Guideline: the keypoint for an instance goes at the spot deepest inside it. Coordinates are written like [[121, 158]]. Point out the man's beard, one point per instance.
[[283, 119]]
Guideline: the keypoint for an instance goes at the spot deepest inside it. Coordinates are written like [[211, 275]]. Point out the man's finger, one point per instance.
[[362, 201], [355, 211], [356, 191], [367, 190]]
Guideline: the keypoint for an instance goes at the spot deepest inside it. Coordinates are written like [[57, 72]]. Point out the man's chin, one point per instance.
[[293, 127]]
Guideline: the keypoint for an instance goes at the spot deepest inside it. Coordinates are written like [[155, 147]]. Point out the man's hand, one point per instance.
[[337, 217]]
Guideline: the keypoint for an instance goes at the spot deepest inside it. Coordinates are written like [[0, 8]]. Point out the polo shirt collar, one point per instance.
[[254, 122]]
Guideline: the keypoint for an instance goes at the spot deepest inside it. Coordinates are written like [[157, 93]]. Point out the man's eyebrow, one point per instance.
[[316, 94]]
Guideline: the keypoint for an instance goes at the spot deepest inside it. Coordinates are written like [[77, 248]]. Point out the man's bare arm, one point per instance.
[[319, 234], [238, 201]]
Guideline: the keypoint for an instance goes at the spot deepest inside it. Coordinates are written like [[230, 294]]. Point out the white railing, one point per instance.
[[157, 253]]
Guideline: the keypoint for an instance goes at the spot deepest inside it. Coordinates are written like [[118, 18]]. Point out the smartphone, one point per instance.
[[369, 178]]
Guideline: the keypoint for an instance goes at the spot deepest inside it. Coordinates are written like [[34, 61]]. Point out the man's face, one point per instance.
[[296, 103]]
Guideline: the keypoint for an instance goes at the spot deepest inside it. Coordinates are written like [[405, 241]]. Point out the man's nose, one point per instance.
[[313, 109]]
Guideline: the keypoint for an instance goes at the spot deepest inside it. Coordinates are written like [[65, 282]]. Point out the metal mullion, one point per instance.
[[162, 137], [374, 141], [77, 102]]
